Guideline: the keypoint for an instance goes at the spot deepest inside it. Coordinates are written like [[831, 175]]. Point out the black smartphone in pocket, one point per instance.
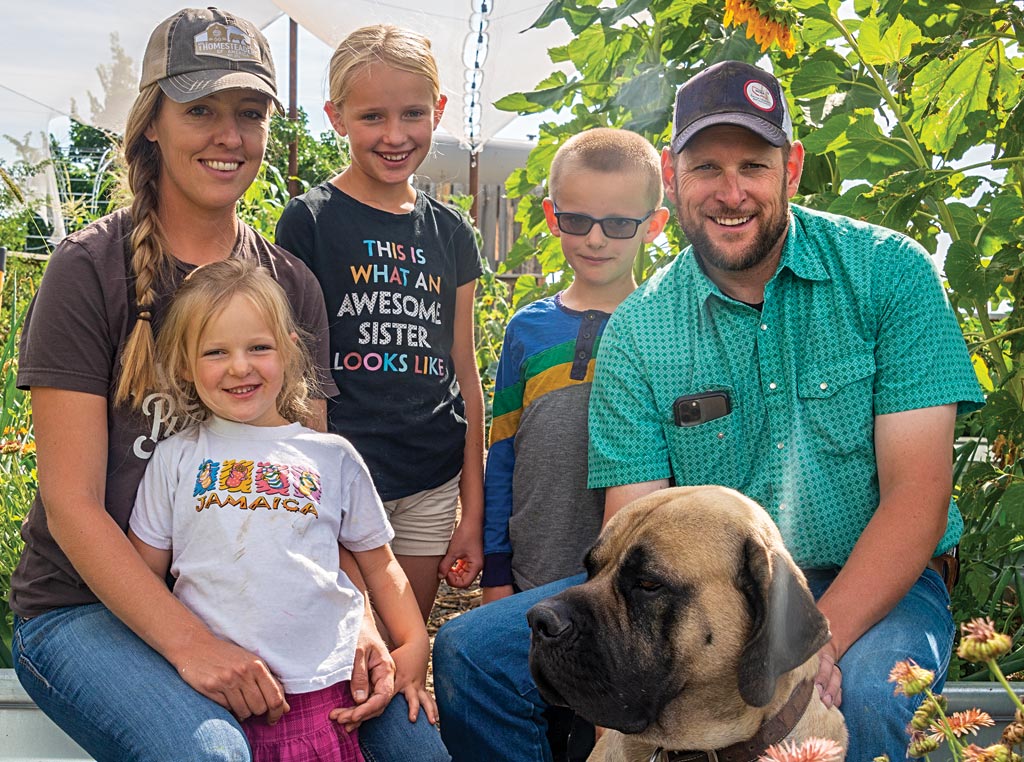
[[695, 409]]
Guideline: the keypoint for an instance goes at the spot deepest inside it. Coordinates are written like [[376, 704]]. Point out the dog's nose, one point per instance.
[[549, 619]]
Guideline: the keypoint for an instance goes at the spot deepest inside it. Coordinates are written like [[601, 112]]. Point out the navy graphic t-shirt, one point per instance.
[[389, 282]]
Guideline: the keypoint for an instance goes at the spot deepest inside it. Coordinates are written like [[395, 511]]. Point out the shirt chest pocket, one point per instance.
[[836, 403], [709, 452]]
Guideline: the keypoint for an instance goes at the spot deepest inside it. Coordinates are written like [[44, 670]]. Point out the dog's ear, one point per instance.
[[786, 628]]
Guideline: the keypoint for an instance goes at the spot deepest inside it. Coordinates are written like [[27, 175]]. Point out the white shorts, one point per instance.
[[424, 521]]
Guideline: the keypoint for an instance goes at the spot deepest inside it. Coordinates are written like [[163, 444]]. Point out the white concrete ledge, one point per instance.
[[27, 735]]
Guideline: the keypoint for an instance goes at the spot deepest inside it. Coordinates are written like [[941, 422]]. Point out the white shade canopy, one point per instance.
[[53, 48]]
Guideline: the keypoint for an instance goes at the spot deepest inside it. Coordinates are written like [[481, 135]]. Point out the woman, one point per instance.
[[100, 643]]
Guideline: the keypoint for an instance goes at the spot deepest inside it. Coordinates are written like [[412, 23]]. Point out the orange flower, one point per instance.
[[768, 21], [962, 723], [981, 642], [811, 750], [910, 679]]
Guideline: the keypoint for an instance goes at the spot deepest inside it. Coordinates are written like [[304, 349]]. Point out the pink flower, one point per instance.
[[811, 750]]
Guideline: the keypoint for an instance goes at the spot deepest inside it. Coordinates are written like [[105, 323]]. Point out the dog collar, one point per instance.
[[771, 732]]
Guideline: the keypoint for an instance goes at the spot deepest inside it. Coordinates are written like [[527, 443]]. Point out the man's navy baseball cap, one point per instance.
[[732, 92]]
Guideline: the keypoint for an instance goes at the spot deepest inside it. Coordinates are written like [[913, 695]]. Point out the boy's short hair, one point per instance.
[[603, 149]]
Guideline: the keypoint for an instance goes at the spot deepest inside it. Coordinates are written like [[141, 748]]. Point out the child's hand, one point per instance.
[[465, 558], [492, 594], [418, 697], [411, 680]]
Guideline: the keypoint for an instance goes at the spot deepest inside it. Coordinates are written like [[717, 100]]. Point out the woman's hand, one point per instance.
[[373, 679], [236, 679]]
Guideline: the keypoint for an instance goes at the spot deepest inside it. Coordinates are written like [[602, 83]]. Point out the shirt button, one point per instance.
[[764, 326], [824, 386], [721, 435], [782, 506], [772, 385], [779, 445], [586, 335], [581, 355], [590, 316]]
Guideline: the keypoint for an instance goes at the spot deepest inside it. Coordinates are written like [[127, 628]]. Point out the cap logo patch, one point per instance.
[[228, 42], [759, 95]]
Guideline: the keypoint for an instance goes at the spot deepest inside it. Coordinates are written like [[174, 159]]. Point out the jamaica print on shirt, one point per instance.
[[249, 485]]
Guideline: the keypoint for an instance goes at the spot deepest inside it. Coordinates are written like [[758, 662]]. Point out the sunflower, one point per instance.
[[768, 21]]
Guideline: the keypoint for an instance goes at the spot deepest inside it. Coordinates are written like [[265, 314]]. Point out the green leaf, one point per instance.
[[549, 92], [891, 47], [551, 13], [969, 275], [831, 136], [855, 203], [1011, 504], [868, 153], [815, 9], [628, 8], [816, 32], [816, 78], [947, 91]]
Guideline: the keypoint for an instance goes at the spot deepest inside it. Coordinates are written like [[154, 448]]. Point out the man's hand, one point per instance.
[[829, 678]]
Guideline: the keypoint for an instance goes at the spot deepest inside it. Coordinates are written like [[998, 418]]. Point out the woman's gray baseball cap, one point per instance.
[[200, 51], [732, 92]]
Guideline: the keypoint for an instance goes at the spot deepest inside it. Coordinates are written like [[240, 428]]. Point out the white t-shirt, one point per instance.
[[253, 516]]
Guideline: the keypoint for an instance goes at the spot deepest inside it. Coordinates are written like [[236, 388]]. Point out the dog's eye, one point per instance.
[[649, 585]]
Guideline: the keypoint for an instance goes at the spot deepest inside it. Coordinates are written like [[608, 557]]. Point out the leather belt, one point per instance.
[[947, 566]]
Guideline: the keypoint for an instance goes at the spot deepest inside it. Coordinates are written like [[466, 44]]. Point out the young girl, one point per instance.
[[247, 508], [398, 271]]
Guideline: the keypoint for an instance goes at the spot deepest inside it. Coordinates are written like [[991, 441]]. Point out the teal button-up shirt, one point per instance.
[[855, 323]]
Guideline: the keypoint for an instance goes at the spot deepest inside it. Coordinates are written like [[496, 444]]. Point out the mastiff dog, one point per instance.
[[695, 636]]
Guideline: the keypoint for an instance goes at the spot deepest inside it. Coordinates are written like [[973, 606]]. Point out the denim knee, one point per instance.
[[115, 696], [392, 738]]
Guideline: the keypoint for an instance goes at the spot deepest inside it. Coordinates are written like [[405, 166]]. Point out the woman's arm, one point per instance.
[[467, 542], [72, 484], [395, 603]]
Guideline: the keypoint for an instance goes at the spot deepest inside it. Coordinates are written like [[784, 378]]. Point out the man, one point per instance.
[[808, 360]]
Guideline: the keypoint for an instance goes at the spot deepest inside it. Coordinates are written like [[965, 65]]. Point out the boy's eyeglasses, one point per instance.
[[613, 227]]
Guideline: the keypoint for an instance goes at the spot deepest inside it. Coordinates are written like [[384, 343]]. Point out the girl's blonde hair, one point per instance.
[[203, 295], [148, 245], [390, 45]]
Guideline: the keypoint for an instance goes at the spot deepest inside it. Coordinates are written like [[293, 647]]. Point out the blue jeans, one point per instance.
[[491, 710], [120, 700], [921, 628]]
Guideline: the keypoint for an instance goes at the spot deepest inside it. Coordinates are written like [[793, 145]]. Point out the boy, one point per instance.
[[539, 516]]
